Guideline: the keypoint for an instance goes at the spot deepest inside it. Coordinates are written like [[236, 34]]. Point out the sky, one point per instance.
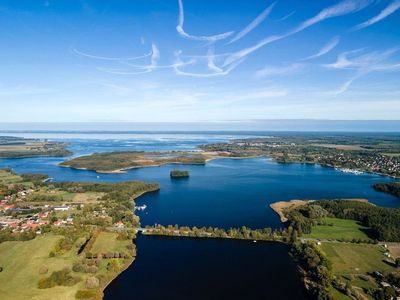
[[199, 60]]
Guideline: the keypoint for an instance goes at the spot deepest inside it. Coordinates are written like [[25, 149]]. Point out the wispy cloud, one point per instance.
[[340, 9], [184, 34], [279, 71], [211, 62], [285, 17], [363, 64], [216, 71], [351, 59], [139, 69], [390, 9], [76, 51], [253, 24], [326, 48]]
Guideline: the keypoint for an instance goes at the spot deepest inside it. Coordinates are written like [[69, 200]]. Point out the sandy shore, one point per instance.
[[280, 206]]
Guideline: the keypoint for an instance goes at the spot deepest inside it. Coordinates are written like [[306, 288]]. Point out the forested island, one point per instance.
[[121, 161], [179, 174], [15, 147]]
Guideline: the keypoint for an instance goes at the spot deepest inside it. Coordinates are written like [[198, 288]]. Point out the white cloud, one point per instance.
[[279, 71], [342, 8], [285, 17], [326, 48], [390, 9], [253, 24], [182, 33], [363, 64], [76, 51]]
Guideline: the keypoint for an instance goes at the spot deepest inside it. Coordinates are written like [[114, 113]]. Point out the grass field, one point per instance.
[[7, 177], [21, 262], [352, 262], [337, 229], [107, 242], [88, 197], [348, 258]]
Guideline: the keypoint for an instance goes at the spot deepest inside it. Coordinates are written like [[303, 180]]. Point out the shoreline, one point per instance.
[[280, 206], [125, 170], [131, 261]]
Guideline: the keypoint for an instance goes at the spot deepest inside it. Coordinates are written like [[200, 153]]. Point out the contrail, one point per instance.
[[211, 62], [109, 58], [182, 33], [218, 71], [342, 8], [326, 48], [257, 21], [390, 9]]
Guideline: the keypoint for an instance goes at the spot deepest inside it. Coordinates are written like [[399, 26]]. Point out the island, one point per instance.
[[176, 174], [117, 162], [65, 240], [15, 147]]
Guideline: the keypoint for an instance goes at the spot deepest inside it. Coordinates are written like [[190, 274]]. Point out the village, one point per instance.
[[16, 216]]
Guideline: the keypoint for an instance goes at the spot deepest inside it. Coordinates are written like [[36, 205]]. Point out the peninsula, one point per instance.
[[346, 249], [15, 147]]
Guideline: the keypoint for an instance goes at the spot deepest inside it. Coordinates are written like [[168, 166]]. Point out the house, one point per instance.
[[119, 224], [61, 208]]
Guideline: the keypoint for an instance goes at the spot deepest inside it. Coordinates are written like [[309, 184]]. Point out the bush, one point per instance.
[[91, 269], [62, 277], [88, 294], [78, 267], [113, 265], [43, 270], [92, 283]]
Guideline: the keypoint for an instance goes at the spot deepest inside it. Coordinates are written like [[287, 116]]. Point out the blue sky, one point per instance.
[[166, 60]]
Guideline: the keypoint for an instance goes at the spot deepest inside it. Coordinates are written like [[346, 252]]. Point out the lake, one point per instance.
[[184, 268], [223, 193]]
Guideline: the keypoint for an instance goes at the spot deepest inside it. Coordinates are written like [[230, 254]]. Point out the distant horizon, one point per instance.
[[272, 125]]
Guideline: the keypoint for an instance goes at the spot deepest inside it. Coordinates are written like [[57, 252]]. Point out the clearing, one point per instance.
[[338, 229]]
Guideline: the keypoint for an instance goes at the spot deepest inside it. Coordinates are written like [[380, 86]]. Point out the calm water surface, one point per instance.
[[224, 193], [183, 268]]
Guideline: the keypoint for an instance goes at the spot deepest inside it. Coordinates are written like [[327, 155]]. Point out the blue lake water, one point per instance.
[[181, 269], [224, 193]]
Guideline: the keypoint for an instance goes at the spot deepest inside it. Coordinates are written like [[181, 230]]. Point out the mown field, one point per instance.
[[7, 177], [338, 229], [350, 258], [353, 262], [108, 242], [21, 262]]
